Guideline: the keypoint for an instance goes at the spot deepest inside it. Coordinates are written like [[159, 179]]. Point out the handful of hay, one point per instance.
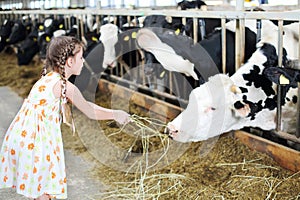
[[145, 183], [148, 136]]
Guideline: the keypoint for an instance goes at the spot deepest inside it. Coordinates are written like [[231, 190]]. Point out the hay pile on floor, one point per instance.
[[229, 171]]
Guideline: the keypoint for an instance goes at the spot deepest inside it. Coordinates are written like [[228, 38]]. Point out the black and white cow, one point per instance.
[[200, 62], [154, 72], [196, 61], [245, 99], [113, 46]]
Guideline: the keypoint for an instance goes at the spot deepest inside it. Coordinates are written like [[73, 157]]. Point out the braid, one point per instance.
[[63, 84]]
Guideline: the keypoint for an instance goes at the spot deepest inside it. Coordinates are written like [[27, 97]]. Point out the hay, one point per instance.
[[145, 185], [229, 171]]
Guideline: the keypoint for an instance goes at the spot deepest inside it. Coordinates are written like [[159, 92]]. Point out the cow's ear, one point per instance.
[[235, 89]]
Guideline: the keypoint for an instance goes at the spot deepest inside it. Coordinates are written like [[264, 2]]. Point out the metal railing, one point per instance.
[[239, 16]]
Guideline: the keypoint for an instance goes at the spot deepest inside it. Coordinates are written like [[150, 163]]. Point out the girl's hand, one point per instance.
[[121, 117]]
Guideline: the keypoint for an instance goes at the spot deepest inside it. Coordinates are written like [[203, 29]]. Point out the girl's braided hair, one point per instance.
[[58, 51]]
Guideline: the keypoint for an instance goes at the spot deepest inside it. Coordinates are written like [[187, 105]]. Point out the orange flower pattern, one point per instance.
[[31, 157]]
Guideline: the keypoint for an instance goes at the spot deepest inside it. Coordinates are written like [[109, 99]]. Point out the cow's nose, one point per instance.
[[168, 131], [111, 65]]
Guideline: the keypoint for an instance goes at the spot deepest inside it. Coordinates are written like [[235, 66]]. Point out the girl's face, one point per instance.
[[77, 63]]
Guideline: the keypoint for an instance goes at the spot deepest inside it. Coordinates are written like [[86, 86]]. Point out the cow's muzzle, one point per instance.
[[170, 131]]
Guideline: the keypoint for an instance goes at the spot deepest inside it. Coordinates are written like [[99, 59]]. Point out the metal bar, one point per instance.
[[298, 114], [195, 31], [223, 22], [162, 94], [237, 45], [280, 53], [272, 15], [258, 27], [298, 102], [287, 136]]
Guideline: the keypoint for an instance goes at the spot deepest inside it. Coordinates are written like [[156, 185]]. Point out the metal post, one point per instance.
[[258, 27], [280, 53], [298, 102], [238, 36], [223, 21], [195, 26]]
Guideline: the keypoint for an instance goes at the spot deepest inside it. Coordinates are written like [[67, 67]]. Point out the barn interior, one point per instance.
[[139, 161]]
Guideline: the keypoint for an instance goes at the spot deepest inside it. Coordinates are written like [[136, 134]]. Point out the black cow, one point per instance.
[[46, 31], [283, 76], [29, 47], [5, 31], [19, 32], [183, 5]]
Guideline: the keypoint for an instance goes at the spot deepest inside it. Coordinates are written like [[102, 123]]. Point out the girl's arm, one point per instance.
[[92, 110]]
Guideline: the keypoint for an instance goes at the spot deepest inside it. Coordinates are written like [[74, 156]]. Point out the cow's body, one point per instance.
[[198, 61], [246, 99]]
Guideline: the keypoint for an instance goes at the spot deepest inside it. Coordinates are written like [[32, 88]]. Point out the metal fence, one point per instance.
[[239, 16]]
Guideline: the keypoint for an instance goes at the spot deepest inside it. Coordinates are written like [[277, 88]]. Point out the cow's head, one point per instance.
[[109, 38], [209, 112]]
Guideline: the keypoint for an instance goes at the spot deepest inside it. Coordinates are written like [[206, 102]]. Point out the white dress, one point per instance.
[[32, 157]]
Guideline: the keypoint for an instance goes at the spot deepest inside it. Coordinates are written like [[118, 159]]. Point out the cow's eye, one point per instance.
[[209, 109]]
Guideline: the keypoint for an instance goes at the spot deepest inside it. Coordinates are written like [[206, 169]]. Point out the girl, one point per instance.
[[32, 157]]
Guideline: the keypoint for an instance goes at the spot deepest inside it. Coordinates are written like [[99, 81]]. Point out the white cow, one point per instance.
[[246, 99], [109, 37]]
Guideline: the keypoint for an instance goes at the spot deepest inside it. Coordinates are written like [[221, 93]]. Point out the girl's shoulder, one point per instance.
[[44, 86]]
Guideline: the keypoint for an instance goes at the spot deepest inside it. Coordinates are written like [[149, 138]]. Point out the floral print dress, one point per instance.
[[32, 158]]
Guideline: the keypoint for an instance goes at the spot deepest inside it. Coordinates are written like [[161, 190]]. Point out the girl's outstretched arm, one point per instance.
[[90, 109]]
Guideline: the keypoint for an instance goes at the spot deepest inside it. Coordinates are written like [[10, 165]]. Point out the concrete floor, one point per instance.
[[80, 183]]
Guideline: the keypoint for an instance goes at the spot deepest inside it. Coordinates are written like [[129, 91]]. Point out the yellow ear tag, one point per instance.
[[126, 38], [41, 27], [48, 39], [177, 31], [133, 34], [61, 26], [94, 39], [162, 74], [283, 80], [34, 39]]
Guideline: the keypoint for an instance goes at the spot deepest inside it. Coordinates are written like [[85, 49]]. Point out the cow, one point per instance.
[[245, 99], [196, 61], [155, 73], [46, 30], [205, 25], [113, 46], [168, 41], [288, 77], [29, 47], [5, 31]]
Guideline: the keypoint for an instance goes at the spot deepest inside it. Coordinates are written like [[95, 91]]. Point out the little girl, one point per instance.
[[32, 156]]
